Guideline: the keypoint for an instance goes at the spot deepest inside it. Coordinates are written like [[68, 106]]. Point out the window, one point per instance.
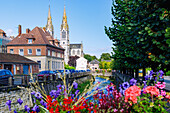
[[48, 52], [53, 64], [73, 52], [53, 53], [48, 65], [58, 54], [12, 51], [78, 52], [30, 41], [63, 34], [30, 51], [21, 52], [38, 52], [39, 62]]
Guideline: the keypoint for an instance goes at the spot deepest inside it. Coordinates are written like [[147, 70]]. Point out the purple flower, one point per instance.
[[34, 100], [27, 109], [72, 96], [155, 79], [38, 95], [133, 82], [161, 73], [75, 85], [146, 77], [125, 85], [15, 111], [77, 91], [33, 93], [58, 86], [36, 108], [8, 103], [43, 103], [144, 84], [20, 101], [55, 93]]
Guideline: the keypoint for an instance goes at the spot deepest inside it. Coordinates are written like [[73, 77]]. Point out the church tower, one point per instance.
[[49, 26], [64, 37]]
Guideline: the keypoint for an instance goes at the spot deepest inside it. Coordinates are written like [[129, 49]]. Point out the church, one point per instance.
[[70, 49]]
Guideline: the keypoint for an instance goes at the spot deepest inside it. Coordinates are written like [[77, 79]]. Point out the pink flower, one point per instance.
[[152, 90], [163, 93], [115, 110], [121, 110], [131, 93], [159, 85], [167, 96]]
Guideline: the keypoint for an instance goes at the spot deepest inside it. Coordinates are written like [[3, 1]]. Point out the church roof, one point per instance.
[[64, 24], [75, 46]]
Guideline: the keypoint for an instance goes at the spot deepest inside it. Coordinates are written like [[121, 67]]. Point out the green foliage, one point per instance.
[[68, 67], [97, 71], [139, 28], [104, 65], [105, 56], [89, 57]]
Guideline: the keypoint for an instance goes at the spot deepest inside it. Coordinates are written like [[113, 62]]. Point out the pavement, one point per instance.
[[167, 81]]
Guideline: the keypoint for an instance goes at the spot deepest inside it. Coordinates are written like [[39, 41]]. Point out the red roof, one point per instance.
[[15, 58], [39, 35]]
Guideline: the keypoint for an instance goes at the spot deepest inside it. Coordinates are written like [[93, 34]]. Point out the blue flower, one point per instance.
[[38, 95], [27, 109], [75, 85], [33, 93], [8, 103], [19, 101], [145, 85], [161, 73], [77, 91], [43, 103], [58, 86], [133, 81], [36, 108], [125, 85], [15, 111], [146, 77]]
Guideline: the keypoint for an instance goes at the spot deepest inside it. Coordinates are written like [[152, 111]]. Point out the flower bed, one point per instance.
[[130, 98]]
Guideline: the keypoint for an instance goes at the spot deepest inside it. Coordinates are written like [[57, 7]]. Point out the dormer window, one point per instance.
[[29, 41]]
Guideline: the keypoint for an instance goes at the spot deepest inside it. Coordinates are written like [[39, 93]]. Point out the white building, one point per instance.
[[81, 64]]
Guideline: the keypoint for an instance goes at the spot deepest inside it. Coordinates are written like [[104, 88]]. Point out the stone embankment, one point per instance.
[[14, 96]]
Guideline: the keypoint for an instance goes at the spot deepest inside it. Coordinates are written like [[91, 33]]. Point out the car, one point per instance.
[[47, 74], [4, 77], [161, 79]]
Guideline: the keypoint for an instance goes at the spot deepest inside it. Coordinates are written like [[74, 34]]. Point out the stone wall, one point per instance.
[[14, 96]]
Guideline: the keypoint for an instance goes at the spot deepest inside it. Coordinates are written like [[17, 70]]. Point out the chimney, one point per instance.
[[44, 28], [19, 30], [27, 30]]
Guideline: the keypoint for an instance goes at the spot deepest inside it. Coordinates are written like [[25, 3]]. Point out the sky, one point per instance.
[[86, 20]]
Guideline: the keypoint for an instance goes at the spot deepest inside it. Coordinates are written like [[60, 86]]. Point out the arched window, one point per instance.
[[63, 34], [73, 52], [78, 52]]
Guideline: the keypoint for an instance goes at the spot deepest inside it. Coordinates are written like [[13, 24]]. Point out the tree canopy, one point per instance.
[[140, 33]]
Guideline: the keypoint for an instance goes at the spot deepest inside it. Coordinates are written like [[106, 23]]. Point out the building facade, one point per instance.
[[3, 41], [18, 64], [39, 46], [81, 64], [94, 65]]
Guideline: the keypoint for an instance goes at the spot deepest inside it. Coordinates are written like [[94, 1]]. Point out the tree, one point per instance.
[[138, 34], [72, 60], [105, 56], [89, 57]]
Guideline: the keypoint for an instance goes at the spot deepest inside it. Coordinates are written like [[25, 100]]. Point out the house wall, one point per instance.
[[94, 66]]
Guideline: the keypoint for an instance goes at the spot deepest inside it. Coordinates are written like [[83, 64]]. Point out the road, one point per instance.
[[167, 81]]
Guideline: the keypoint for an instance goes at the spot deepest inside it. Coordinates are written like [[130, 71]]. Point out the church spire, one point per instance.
[[49, 26], [64, 24]]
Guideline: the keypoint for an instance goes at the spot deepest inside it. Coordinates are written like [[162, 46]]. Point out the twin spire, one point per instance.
[[49, 26]]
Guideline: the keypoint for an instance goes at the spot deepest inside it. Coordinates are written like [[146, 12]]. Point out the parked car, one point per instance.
[[4, 77], [47, 74]]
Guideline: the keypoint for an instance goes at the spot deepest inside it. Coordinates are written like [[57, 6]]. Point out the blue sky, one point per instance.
[[86, 20]]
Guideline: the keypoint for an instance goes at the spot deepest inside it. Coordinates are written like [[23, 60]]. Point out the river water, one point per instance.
[[103, 85]]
